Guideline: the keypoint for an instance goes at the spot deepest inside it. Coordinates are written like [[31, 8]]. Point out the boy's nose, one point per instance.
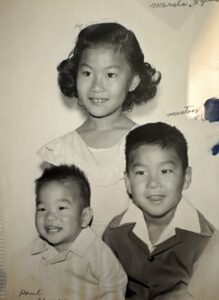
[[51, 216], [97, 84], [153, 181]]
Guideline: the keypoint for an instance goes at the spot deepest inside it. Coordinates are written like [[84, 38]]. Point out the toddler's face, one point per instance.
[[103, 81], [156, 180], [59, 215]]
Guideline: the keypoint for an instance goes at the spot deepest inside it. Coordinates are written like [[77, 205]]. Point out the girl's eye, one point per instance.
[[111, 75], [86, 73], [166, 171]]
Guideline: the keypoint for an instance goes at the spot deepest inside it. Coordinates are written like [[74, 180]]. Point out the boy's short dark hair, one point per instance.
[[161, 134], [62, 174]]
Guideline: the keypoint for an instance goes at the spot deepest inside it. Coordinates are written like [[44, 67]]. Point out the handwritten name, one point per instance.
[[187, 110], [28, 293], [180, 3], [38, 293], [50, 299]]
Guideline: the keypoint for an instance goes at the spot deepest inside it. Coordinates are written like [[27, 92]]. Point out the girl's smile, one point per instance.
[[98, 101], [103, 81]]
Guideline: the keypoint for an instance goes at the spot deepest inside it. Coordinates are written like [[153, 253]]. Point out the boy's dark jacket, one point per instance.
[[167, 269]]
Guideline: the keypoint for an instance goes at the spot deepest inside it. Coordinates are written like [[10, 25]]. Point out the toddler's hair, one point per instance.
[[62, 174], [161, 134], [116, 36]]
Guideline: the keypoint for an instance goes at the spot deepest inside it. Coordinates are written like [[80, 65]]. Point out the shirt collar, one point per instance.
[[79, 247], [185, 217]]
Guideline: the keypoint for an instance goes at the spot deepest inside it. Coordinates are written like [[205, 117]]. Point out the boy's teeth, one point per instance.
[[53, 229], [156, 197]]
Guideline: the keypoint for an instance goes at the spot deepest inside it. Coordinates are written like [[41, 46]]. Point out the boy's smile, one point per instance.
[[156, 180], [59, 214]]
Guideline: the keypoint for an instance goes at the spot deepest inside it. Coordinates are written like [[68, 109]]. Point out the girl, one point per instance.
[[106, 72]]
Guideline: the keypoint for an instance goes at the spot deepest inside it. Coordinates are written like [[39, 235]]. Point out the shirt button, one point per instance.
[[151, 258]]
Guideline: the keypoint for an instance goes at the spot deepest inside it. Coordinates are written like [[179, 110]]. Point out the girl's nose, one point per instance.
[[97, 84]]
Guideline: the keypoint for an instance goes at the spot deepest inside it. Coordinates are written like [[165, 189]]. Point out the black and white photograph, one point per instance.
[[109, 150]]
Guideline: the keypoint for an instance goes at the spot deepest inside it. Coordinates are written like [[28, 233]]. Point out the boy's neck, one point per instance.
[[157, 225]]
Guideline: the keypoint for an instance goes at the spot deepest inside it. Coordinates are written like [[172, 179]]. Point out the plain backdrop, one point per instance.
[[36, 35]]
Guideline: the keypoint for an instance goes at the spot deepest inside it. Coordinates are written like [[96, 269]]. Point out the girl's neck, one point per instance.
[[104, 132], [108, 123]]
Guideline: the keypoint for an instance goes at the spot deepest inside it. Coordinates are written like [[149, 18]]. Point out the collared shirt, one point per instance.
[[87, 270], [185, 217], [165, 268]]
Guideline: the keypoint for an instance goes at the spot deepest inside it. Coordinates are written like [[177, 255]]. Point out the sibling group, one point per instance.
[[111, 218]]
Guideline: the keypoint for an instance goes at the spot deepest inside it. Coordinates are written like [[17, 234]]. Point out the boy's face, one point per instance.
[[59, 216], [103, 81], [156, 180]]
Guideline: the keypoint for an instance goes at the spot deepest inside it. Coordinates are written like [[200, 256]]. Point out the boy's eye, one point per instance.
[[111, 75], [41, 209], [166, 171], [63, 207], [139, 172]]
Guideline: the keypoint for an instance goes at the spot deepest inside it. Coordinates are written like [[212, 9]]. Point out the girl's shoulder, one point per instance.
[[103, 166], [62, 149]]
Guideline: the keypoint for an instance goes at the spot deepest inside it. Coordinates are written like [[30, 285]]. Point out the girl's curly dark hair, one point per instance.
[[118, 36]]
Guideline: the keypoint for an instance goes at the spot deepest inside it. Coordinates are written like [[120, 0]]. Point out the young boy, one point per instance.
[[160, 237], [67, 261]]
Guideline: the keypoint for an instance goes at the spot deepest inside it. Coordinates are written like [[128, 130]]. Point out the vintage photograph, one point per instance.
[[109, 150]]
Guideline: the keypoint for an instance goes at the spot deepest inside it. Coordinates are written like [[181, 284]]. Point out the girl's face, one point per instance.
[[103, 81]]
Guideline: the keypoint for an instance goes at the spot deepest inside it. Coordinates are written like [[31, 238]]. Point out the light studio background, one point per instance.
[[181, 42]]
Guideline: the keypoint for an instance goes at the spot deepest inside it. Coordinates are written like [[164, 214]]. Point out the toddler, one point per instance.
[[67, 260]]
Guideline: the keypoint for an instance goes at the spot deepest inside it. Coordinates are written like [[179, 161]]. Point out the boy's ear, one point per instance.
[[127, 183], [187, 178], [87, 215], [134, 82]]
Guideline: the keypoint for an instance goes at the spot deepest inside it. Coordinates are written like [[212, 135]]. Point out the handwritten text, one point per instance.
[[186, 110], [28, 293], [180, 3]]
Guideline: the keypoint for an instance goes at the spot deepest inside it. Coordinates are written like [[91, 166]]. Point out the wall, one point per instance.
[[204, 61]]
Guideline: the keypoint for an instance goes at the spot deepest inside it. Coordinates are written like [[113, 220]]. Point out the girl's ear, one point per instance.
[[87, 215], [134, 82], [187, 178]]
